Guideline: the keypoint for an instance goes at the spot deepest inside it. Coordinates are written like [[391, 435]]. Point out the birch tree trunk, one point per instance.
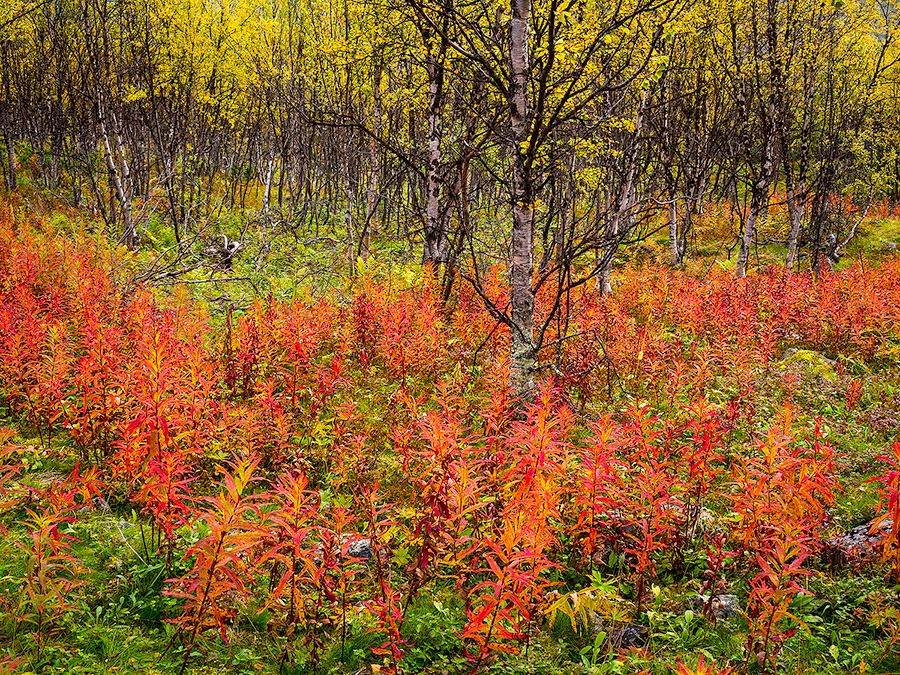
[[434, 250], [796, 184], [371, 223], [674, 241], [521, 313], [348, 201], [795, 214], [11, 182], [761, 182], [623, 208], [119, 179], [758, 202], [10, 173], [266, 205]]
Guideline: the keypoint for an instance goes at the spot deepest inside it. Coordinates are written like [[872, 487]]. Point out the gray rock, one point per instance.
[[618, 636], [861, 543], [627, 635], [100, 504], [360, 549], [722, 607], [695, 519], [889, 246]]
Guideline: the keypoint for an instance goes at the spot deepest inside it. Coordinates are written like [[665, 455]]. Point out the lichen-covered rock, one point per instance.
[[812, 362], [100, 504], [722, 607], [861, 543], [360, 549], [627, 635]]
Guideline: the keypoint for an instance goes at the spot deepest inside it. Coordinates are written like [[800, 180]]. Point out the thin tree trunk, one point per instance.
[[267, 195], [759, 205], [348, 201], [796, 185], [10, 162], [795, 214], [434, 250], [118, 182], [10, 173], [77, 180], [267, 192], [624, 206], [371, 223], [521, 314], [128, 232], [757, 200], [674, 241], [694, 206]]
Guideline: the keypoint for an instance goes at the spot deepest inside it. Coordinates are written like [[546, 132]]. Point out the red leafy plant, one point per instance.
[[890, 504], [167, 498], [52, 573], [221, 572], [502, 608], [779, 503]]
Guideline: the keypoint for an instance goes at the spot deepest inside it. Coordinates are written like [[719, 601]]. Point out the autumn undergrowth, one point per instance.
[[339, 483]]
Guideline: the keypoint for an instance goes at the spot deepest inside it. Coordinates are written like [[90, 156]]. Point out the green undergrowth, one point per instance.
[[120, 617]]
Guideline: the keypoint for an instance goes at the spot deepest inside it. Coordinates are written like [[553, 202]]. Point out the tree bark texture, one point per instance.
[[521, 313]]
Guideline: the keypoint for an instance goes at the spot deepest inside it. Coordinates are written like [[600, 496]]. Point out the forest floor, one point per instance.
[[304, 471]]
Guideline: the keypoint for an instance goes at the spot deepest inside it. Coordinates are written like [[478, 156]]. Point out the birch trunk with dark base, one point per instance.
[[621, 221], [119, 179], [796, 188], [609, 252], [521, 269], [55, 157], [267, 189], [9, 174], [266, 204], [370, 224], [434, 252], [675, 257], [692, 210], [795, 214], [759, 204], [749, 234], [669, 143], [76, 189], [606, 280], [348, 202], [521, 312]]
